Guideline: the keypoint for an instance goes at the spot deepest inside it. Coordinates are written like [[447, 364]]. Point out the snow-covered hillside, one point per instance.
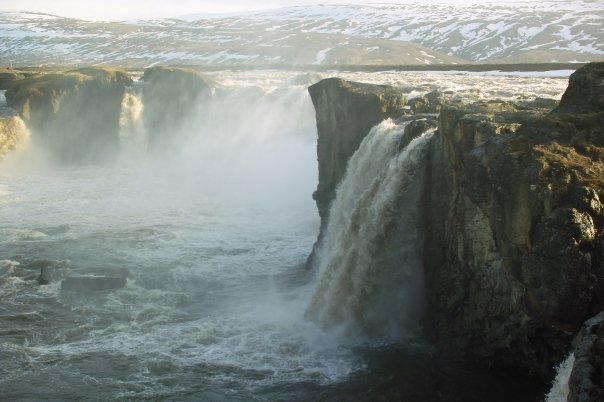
[[402, 33]]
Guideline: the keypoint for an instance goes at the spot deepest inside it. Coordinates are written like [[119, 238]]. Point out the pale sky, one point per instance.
[[126, 9], [132, 9]]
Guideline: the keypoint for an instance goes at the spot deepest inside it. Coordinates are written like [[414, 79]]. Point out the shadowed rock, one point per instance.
[[514, 255], [586, 382]]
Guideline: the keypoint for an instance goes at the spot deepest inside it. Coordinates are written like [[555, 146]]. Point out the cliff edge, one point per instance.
[[513, 252]]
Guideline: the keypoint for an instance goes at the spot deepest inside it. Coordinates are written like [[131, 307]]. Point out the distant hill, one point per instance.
[[417, 33]]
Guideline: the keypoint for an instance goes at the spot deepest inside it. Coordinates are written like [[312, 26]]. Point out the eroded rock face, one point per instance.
[[171, 97], [586, 382], [514, 261], [74, 114], [8, 77]]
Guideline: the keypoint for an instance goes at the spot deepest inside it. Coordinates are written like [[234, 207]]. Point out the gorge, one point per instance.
[[469, 227]]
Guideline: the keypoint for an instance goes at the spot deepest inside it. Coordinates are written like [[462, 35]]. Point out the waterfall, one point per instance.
[[370, 259], [559, 391], [133, 138], [13, 134]]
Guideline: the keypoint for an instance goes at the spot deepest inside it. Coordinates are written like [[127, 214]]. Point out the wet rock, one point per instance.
[[586, 382], [431, 102], [415, 128], [345, 112], [93, 283]]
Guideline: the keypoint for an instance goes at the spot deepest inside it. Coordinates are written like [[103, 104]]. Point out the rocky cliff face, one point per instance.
[[74, 114], [514, 246], [345, 113], [515, 260], [171, 97]]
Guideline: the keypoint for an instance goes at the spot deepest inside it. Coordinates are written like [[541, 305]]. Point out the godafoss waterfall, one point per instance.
[[158, 238]]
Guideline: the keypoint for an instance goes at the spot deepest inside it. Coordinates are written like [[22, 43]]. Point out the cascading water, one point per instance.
[[211, 233], [14, 135], [133, 139], [559, 391], [369, 262]]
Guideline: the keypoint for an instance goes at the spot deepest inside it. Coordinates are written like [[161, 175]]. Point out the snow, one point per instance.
[[321, 55], [470, 31]]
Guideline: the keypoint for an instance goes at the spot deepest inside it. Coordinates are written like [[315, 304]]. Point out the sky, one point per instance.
[[125, 9], [132, 9]]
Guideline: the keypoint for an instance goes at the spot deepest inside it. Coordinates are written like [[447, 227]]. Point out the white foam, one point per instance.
[[559, 391]]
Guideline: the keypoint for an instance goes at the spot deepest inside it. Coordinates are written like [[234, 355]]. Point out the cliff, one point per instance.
[[171, 97], [345, 112], [74, 114], [513, 244]]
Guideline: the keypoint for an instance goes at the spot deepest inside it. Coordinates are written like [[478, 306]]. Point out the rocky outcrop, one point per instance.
[[513, 252], [586, 382], [345, 112], [74, 114], [8, 76], [514, 262], [172, 97]]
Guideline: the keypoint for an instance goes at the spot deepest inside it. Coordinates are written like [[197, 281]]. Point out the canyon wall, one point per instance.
[[513, 248], [73, 114], [77, 116]]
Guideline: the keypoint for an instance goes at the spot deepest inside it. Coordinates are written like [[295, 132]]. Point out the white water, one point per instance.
[[212, 235], [559, 391], [369, 263]]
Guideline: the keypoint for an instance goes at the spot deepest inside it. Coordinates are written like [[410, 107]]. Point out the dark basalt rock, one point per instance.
[[586, 382], [93, 283], [514, 256]]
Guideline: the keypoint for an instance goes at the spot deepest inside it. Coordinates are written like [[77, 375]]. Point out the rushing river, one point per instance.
[[213, 241]]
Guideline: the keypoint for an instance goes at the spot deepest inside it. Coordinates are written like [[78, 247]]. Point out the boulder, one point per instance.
[[431, 102]]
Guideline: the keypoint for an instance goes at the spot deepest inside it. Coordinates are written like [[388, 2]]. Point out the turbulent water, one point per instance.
[[212, 237], [370, 258]]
